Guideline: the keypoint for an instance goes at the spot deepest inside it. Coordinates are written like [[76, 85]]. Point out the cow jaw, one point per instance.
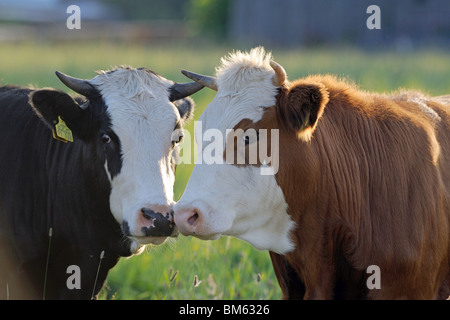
[[254, 212], [136, 247], [138, 244]]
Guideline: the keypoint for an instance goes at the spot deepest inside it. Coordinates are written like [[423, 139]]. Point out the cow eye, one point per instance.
[[180, 138], [177, 136], [105, 139], [247, 137]]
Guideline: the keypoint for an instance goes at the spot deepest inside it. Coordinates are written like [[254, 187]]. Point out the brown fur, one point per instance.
[[367, 181]]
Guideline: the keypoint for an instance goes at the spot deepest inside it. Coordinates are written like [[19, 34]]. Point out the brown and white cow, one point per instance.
[[363, 180]]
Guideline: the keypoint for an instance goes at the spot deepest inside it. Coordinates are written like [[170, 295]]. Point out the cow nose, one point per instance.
[[188, 220], [157, 221]]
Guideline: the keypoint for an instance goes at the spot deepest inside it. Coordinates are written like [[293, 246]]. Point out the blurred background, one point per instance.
[[406, 24], [411, 50]]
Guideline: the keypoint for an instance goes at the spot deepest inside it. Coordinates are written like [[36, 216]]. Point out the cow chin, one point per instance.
[[214, 236], [150, 240], [138, 243], [136, 247]]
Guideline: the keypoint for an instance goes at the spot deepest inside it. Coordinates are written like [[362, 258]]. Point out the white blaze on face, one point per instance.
[[143, 118], [226, 199]]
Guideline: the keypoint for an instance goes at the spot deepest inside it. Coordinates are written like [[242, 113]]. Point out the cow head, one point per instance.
[[254, 106], [129, 124]]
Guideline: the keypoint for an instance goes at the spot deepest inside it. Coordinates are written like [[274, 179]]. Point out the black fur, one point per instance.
[[45, 183]]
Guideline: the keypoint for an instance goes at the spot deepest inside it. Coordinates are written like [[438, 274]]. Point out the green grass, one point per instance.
[[226, 268]]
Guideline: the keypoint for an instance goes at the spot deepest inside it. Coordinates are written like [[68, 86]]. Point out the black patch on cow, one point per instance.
[[163, 224], [109, 151], [45, 183], [112, 153], [87, 118], [126, 228], [185, 108]]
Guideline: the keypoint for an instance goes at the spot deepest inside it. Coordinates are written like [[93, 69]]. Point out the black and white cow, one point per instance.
[[78, 206]]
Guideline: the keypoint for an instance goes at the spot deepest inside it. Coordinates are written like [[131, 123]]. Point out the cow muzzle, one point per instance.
[[158, 222], [151, 224], [191, 220]]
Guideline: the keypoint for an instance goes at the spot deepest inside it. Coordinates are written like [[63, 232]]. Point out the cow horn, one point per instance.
[[181, 90], [80, 86], [207, 81], [280, 75]]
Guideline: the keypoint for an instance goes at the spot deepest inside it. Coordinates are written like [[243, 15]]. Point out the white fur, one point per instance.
[[241, 70], [107, 171], [239, 201], [143, 118], [430, 113]]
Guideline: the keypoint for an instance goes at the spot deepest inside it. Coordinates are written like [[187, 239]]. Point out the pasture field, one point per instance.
[[187, 268]]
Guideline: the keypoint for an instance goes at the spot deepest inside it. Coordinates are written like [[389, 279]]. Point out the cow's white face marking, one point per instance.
[[238, 201], [143, 119], [107, 171]]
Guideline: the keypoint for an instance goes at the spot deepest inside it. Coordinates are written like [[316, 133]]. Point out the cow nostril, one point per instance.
[[146, 213], [192, 219]]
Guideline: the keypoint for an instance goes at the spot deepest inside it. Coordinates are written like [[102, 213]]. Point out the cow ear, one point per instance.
[[186, 108], [301, 106], [50, 105]]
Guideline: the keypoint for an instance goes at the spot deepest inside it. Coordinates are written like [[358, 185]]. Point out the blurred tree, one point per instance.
[[205, 17], [209, 17]]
